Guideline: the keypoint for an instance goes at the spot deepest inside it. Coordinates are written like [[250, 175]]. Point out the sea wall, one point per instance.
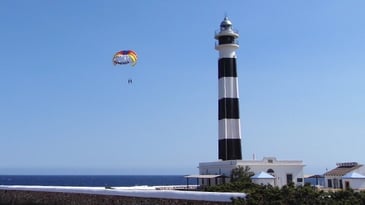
[[19, 197]]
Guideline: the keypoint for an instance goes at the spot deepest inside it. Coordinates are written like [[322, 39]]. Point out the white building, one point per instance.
[[346, 175], [283, 171], [353, 181]]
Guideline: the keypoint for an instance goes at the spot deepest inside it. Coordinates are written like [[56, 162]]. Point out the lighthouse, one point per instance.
[[283, 172], [229, 128]]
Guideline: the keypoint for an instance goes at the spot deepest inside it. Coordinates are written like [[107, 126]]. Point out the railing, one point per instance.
[[233, 30], [234, 42], [177, 187]]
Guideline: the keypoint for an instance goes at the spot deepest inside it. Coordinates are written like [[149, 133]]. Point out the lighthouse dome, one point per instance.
[[226, 24]]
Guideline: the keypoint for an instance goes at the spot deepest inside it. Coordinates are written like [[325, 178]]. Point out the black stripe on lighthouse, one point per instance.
[[227, 67], [230, 149], [228, 108]]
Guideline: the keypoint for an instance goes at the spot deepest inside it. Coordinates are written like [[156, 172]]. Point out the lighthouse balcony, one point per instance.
[[229, 32]]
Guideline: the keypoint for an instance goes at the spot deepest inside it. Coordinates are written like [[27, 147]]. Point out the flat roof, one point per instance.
[[203, 176]]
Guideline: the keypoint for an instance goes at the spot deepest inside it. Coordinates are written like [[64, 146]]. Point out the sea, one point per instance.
[[107, 180], [93, 180]]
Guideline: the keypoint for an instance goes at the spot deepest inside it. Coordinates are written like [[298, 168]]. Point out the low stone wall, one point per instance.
[[17, 197]]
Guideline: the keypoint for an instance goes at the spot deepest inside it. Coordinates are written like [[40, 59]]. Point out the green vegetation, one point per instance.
[[289, 194]]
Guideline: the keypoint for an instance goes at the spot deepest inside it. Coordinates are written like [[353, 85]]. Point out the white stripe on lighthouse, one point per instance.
[[228, 87], [229, 129], [228, 52]]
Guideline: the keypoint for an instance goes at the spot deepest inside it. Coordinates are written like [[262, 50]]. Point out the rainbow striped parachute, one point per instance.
[[125, 57]]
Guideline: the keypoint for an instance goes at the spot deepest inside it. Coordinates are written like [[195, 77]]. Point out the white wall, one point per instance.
[[335, 181], [281, 168], [281, 172], [354, 183], [264, 181]]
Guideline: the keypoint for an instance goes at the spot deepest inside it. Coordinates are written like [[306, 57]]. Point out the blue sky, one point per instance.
[[65, 109]]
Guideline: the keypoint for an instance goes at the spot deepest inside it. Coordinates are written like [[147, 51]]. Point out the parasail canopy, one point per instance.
[[125, 57]]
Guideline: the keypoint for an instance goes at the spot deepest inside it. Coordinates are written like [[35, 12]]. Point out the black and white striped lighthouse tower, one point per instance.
[[229, 129]]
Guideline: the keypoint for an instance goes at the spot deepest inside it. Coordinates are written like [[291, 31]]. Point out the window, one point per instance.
[[300, 180], [289, 178], [270, 171], [226, 40], [329, 182]]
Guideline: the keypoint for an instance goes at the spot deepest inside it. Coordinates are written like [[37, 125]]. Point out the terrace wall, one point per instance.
[[17, 197]]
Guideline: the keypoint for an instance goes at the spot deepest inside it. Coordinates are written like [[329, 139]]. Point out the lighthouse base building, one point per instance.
[[269, 170], [283, 172]]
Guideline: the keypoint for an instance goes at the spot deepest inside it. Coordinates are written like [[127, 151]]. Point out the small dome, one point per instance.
[[226, 23]]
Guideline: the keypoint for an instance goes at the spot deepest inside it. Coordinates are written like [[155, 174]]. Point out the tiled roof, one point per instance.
[[342, 170]]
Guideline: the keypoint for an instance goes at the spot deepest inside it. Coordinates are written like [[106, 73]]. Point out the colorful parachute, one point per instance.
[[125, 57]]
